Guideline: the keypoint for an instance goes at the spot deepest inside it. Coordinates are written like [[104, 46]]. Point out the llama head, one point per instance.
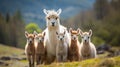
[[61, 36], [86, 36], [52, 17], [30, 37], [74, 34], [39, 37]]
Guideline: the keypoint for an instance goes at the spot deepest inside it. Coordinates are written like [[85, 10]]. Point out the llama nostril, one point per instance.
[[30, 41], [74, 38], [85, 40], [53, 23]]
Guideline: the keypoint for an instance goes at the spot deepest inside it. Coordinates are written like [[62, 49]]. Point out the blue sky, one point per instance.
[[32, 10]]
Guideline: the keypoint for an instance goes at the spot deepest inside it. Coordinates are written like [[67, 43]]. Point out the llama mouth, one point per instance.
[[53, 25]]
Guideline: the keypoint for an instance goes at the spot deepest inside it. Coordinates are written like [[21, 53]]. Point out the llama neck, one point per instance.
[[61, 43], [41, 45], [86, 45], [74, 43], [31, 44]]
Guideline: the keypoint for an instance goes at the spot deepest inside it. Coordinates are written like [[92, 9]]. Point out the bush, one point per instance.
[[31, 27], [97, 40]]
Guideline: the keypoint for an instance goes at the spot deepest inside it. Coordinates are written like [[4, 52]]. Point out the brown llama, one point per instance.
[[73, 51], [40, 48], [30, 48]]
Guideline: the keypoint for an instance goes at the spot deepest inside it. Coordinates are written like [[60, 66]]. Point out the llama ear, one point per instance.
[[81, 33], [64, 32], [45, 11], [57, 33], [78, 30], [70, 30], [35, 33], [26, 34], [90, 32], [59, 11], [43, 33]]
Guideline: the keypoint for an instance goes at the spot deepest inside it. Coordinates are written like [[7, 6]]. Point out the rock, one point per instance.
[[1, 62], [102, 48], [5, 58], [100, 52], [6, 64]]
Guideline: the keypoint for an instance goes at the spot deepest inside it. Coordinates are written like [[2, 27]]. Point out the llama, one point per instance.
[[30, 48], [61, 48], [73, 52], [39, 47], [87, 48], [53, 25]]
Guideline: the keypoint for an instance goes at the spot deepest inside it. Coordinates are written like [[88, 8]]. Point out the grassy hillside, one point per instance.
[[12, 57], [16, 58], [99, 62]]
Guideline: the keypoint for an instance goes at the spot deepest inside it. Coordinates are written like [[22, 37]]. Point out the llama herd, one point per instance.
[[55, 43]]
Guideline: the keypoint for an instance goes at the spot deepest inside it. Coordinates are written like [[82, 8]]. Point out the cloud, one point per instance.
[[32, 15], [68, 9]]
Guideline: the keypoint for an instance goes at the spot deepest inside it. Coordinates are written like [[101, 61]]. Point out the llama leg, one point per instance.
[[29, 59], [37, 59], [42, 59], [64, 58], [33, 60], [58, 58], [50, 59]]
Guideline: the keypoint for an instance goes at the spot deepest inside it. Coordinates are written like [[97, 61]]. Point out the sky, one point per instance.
[[32, 10]]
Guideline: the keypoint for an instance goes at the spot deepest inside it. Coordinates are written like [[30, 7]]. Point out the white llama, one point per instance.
[[61, 48], [87, 48], [53, 25]]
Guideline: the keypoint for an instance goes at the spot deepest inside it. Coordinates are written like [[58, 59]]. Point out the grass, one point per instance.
[[98, 62], [12, 52], [7, 50]]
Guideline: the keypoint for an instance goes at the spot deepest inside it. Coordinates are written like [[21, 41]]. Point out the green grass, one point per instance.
[[98, 62], [7, 50], [12, 52]]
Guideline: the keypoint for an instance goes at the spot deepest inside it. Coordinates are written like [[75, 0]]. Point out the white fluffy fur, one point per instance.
[[87, 49], [61, 48], [51, 37]]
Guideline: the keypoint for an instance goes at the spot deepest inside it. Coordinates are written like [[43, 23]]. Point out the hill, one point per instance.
[[15, 57], [12, 57]]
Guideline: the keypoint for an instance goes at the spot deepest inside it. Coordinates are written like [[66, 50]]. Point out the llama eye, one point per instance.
[[58, 36], [48, 18], [71, 35], [63, 36], [82, 37], [88, 37], [56, 18]]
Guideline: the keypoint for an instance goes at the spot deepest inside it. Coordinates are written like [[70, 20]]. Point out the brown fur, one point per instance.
[[73, 52], [30, 50], [40, 51]]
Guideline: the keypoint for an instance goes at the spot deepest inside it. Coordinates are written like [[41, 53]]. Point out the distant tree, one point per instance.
[[12, 29], [101, 8], [116, 4], [31, 27], [7, 17]]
